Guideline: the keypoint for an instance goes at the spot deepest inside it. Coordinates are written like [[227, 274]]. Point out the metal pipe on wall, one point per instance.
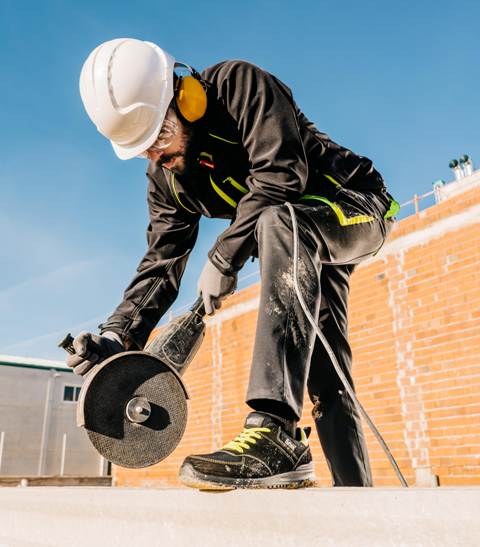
[[46, 423], [62, 460], [102, 467], [2, 444]]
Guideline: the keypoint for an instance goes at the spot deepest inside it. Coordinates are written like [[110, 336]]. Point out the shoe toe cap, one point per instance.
[[213, 464]]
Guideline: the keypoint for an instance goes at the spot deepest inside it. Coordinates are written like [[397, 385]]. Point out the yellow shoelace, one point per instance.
[[248, 435]]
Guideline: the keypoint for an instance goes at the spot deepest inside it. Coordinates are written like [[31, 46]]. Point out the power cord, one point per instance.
[[336, 366]]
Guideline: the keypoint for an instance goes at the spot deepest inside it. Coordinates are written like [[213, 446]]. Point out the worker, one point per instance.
[[232, 143]]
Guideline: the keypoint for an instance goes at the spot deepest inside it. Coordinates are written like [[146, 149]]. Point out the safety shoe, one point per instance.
[[263, 455]]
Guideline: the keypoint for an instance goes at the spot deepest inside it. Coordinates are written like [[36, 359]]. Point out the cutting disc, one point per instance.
[[134, 409]]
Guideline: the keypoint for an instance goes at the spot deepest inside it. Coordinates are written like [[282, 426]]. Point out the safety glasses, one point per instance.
[[165, 138]]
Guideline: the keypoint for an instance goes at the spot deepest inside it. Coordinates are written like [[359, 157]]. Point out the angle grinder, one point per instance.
[[133, 405]]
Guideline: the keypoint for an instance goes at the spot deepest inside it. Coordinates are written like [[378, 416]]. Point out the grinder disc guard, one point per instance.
[[109, 397]]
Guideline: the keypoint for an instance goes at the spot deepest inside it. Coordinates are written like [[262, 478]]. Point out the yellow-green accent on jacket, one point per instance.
[[222, 194], [222, 139], [344, 221], [331, 179], [175, 193], [394, 208], [236, 185]]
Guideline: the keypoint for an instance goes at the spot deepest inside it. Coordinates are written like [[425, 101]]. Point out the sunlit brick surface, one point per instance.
[[415, 335]]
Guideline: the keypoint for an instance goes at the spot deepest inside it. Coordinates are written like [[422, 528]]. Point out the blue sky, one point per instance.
[[395, 81]]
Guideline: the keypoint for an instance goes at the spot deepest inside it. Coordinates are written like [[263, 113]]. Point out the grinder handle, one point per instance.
[[198, 307], [67, 344]]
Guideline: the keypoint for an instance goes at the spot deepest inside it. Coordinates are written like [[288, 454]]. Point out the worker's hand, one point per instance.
[[214, 286], [91, 349]]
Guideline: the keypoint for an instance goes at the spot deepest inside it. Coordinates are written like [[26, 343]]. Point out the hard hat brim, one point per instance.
[[130, 152]]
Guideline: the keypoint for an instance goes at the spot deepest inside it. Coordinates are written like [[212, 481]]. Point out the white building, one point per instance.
[[38, 431]]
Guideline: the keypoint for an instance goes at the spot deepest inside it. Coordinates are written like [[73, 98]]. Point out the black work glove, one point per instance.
[[91, 349], [214, 286]]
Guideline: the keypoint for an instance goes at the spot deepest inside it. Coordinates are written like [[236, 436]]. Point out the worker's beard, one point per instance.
[[186, 156]]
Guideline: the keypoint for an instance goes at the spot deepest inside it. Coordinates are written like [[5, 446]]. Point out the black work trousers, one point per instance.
[[335, 235]]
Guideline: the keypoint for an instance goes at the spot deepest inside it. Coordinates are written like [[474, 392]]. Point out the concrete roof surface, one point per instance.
[[59, 516]]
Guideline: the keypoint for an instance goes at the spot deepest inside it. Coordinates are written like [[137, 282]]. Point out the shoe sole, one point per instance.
[[303, 477]]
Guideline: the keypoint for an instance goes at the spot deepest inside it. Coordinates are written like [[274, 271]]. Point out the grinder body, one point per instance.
[[177, 344]]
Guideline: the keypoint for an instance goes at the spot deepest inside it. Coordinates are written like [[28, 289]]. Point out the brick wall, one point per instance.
[[415, 335]]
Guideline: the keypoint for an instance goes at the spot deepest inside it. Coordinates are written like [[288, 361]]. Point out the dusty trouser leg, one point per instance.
[[284, 338], [336, 417]]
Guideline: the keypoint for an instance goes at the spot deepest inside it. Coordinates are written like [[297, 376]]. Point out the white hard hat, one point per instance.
[[126, 87]]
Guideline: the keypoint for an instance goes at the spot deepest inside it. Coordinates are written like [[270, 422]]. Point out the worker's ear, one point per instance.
[[191, 97]]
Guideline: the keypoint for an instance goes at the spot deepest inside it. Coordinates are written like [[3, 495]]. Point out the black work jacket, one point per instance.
[[257, 150]]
